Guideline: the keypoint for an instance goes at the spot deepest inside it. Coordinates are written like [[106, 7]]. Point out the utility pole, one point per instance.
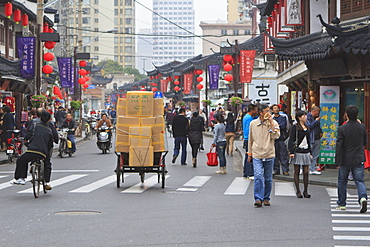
[[236, 75], [40, 20]]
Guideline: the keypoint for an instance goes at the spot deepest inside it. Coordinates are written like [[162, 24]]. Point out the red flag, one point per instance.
[[188, 82], [164, 84], [246, 65]]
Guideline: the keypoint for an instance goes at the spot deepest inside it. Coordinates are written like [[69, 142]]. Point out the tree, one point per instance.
[[135, 72], [112, 67]]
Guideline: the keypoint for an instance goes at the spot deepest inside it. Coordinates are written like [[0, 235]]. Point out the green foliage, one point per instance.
[[181, 103], [38, 100], [206, 102], [76, 104], [235, 101], [113, 67]]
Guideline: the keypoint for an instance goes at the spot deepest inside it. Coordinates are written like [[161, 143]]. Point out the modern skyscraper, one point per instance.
[[144, 51], [167, 46]]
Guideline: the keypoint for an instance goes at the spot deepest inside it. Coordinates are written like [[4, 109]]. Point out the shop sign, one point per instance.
[[329, 104], [26, 51], [263, 91]]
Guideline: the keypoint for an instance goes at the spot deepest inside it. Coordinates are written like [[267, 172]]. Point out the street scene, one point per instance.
[[184, 123]]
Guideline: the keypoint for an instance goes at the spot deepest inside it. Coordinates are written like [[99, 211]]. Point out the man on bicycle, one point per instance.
[[39, 148], [113, 115]]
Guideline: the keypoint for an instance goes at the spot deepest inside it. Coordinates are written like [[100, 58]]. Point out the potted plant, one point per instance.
[[235, 101], [38, 101], [206, 102], [182, 104]]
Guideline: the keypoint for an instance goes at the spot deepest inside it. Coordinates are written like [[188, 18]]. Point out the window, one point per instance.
[[223, 32], [350, 9], [128, 21], [247, 32], [96, 48], [128, 30], [86, 20], [128, 40], [115, 2], [86, 11], [128, 59], [116, 49], [96, 20], [128, 11], [96, 11], [115, 11], [128, 49], [2, 35], [235, 32], [115, 40], [128, 2]]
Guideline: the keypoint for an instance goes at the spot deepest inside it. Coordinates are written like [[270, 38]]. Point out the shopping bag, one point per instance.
[[212, 158], [367, 162]]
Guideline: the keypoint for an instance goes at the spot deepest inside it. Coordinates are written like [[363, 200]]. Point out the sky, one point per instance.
[[205, 10]]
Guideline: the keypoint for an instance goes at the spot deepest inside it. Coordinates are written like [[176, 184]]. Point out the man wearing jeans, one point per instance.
[[349, 155], [261, 147], [313, 122], [180, 130]]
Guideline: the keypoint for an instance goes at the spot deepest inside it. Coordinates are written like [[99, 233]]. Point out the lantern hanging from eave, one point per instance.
[[45, 28], [176, 88], [199, 79], [83, 63], [49, 45], [154, 89], [47, 69], [17, 16], [85, 85], [82, 72], [48, 56], [198, 71], [228, 67], [228, 58], [86, 78], [25, 20], [200, 86], [154, 84], [8, 7], [81, 81], [176, 77], [176, 83], [228, 77]]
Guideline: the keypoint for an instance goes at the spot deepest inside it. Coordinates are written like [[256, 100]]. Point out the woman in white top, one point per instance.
[[300, 151]]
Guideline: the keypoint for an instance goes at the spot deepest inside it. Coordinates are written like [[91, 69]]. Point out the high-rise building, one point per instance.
[[104, 23], [166, 46], [144, 51]]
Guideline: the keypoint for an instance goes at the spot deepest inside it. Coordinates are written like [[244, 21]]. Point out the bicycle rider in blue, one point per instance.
[[39, 148]]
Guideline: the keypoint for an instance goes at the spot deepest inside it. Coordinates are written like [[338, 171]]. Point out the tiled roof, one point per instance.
[[8, 67]]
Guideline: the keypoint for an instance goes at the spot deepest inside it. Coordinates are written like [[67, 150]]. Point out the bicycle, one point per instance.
[[88, 132], [38, 179]]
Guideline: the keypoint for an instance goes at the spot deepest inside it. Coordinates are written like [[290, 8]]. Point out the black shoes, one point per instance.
[[174, 159], [306, 195]]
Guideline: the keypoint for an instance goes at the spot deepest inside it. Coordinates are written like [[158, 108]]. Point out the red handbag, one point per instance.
[[367, 162], [212, 158]]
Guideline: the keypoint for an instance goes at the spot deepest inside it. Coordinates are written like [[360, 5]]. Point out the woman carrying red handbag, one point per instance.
[[219, 141]]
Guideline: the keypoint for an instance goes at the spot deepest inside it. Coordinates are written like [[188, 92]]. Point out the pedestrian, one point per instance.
[[71, 125], [261, 148], [169, 119], [195, 135], [300, 151], [113, 115], [313, 123], [180, 131], [188, 113], [349, 156], [230, 133], [8, 124], [212, 119], [252, 113], [281, 152], [219, 141], [60, 116], [204, 117]]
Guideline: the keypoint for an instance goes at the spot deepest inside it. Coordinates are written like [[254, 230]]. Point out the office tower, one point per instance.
[[144, 51]]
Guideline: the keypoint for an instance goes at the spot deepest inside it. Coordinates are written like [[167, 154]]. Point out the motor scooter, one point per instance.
[[14, 146], [65, 145], [104, 142]]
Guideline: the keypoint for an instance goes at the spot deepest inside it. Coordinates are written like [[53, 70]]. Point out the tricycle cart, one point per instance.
[[158, 167]]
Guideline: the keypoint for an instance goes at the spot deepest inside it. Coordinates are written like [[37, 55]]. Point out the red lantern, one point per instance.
[[17, 16], [45, 28], [49, 45], [83, 63], [85, 85], [48, 56], [47, 69], [87, 72], [228, 77], [176, 77], [81, 81], [154, 84], [151, 78], [8, 9], [228, 58], [86, 78], [24, 20], [199, 79], [169, 78], [154, 89], [176, 88], [200, 86], [82, 72], [228, 67], [51, 30], [199, 72], [176, 83]]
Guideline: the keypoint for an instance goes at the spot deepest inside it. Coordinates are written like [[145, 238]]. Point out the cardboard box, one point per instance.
[[141, 156], [157, 124], [124, 123], [122, 143], [140, 136], [158, 143], [158, 107], [121, 107], [139, 103]]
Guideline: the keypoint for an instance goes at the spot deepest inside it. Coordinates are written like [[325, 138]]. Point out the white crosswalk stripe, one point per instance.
[[59, 181], [193, 184], [4, 176], [238, 187], [284, 189], [96, 185], [141, 187]]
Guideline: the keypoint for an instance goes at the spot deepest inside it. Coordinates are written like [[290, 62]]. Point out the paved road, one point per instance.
[[197, 208]]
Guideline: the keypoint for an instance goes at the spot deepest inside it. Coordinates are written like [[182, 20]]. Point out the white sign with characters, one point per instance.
[[263, 91]]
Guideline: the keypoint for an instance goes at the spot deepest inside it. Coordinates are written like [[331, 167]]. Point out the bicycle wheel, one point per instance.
[[61, 148], [35, 171]]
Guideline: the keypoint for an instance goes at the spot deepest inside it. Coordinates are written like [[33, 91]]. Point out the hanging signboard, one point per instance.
[[329, 104], [188, 82], [164, 85], [213, 73], [246, 65], [26, 51], [65, 71], [263, 91], [293, 12]]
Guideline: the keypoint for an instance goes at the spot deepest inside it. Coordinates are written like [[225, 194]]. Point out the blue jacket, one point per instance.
[[312, 124], [282, 121], [246, 122]]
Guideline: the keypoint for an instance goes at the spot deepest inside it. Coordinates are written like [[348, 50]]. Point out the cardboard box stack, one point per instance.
[[140, 127]]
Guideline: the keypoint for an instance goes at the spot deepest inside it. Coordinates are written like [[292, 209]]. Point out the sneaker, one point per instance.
[[342, 208], [258, 204], [174, 159], [251, 177], [363, 203], [300, 172], [19, 181], [48, 187], [276, 173], [266, 203], [315, 173]]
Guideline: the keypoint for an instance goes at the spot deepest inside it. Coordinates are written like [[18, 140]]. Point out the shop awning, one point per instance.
[[293, 73]]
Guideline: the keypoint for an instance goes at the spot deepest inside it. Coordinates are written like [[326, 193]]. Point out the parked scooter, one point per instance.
[[14, 146], [104, 141], [65, 145]]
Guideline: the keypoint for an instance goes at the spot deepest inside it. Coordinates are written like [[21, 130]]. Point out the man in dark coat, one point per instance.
[[195, 136], [180, 129], [351, 140], [60, 116]]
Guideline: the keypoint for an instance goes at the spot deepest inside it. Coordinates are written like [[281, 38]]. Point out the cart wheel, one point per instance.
[[118, 173], [163, 177], [142, 176]]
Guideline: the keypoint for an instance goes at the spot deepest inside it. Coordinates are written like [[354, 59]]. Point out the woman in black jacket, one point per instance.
[[195, 135], [300, 151], [230, 133]]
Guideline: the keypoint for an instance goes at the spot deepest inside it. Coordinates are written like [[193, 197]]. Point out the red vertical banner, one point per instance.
[[246, 65], [188, 82], [164, 85]]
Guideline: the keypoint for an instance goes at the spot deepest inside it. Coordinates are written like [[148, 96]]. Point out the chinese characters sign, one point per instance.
[[294, 12], [214, 71], [246, 65], [263, 91], [188, 82], [65, 71], [26, 51], [329, 103]]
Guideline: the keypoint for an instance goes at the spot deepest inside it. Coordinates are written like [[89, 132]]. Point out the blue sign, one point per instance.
[[158, 95], [26, 51], [65, 71]]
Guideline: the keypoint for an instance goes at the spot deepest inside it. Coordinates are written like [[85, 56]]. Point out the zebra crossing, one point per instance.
[[238, 187], [350, 227]]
